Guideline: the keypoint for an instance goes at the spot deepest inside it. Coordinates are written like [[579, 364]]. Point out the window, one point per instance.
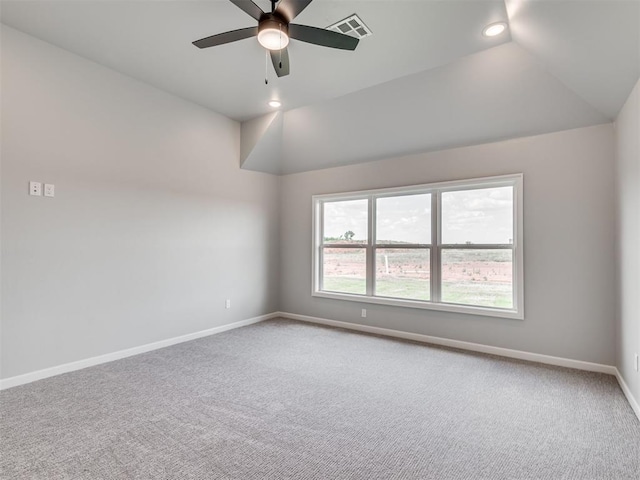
[[454, 246]]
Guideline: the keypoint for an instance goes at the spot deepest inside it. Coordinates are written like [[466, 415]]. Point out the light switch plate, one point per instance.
[[49, 190], [35, 189]]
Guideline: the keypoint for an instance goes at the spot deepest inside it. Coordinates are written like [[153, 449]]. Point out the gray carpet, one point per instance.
[[283, 399]]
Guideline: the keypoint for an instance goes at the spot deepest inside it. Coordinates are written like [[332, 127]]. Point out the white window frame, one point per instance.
[[436, 246]]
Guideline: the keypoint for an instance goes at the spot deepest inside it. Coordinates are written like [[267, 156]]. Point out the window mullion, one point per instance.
[[516, 245], [435, 246], [371, 253], [320, 250]]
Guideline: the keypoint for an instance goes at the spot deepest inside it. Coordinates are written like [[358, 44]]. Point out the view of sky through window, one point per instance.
[[404, 219], [346, 220], [478, 216]]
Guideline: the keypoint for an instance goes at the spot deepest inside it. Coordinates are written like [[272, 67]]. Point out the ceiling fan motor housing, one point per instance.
[[275, 25]]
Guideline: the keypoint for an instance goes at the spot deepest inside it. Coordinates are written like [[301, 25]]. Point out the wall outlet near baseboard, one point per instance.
[[364, 313], [227, 303]]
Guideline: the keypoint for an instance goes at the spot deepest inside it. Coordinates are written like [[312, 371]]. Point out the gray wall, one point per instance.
[[153, 225], [568, 242], [628, 239]]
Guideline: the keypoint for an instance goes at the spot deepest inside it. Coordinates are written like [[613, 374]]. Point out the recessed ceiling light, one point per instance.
[[275, 103], [494, 29]]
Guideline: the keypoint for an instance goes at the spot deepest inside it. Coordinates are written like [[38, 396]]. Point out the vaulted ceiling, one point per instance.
[[426, 79]]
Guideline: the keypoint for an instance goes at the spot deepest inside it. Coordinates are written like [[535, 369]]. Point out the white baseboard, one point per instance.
[[475, 347], [627, 393], [110, 357]]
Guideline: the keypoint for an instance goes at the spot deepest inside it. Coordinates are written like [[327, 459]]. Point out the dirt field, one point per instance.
[[470, 277], [416, 265]]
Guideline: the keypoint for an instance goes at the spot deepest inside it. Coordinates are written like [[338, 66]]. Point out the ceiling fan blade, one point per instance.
[[290, 9], [320, 36], [278, 59], [248, 7], [226, 37]]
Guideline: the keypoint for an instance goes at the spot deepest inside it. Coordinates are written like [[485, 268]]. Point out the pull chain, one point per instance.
[[266, 67], [280, 64]]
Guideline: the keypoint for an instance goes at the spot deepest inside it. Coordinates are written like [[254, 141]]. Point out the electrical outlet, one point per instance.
[[227, 303], [364, 313], [35, 188], [49, 190], [637, 363]]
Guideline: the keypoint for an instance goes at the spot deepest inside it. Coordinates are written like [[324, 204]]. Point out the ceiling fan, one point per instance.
[[274, 30]]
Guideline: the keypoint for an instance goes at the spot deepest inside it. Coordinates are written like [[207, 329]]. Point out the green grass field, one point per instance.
[[345, 285], [463, 293], [478, 294], [409, 288]]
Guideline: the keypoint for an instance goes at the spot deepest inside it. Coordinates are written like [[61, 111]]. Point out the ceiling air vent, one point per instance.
[[352, 26]]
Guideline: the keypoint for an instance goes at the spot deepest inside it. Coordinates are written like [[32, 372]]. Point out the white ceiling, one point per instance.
[[508, 96], [593, 46], [427, 79], [151, 41]]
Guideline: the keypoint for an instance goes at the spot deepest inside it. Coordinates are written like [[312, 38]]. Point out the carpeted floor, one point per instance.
[[283, 399]]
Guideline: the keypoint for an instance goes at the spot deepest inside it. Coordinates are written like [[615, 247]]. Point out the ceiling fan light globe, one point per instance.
[[273, 39]]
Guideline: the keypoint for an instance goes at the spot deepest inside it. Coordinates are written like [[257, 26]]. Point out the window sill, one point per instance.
[[442, 307]]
